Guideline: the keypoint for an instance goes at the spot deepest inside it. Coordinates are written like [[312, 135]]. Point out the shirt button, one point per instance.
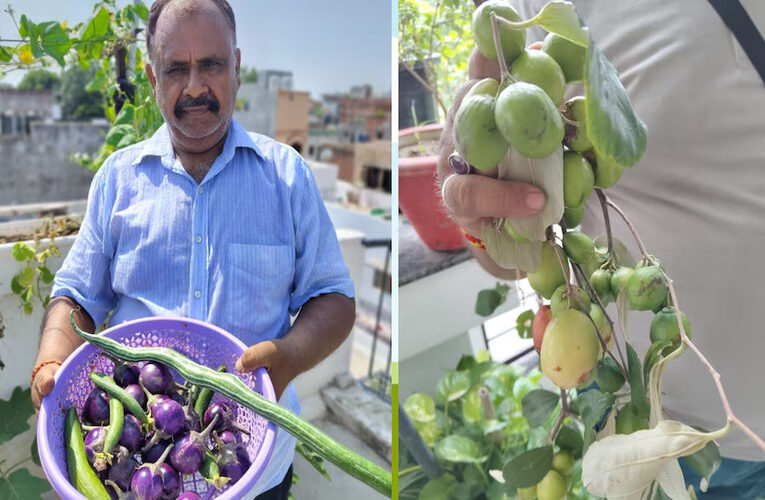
[[197, 294], [201, 190], [198, 239]]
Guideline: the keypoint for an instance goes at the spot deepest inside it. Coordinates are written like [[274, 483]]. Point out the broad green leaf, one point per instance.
[[94, 33], [116, 134], [28, 294], [652, 357], [438, 488], [523, 324], [21, 485], [22, 251], [538, 405], [488, 300], [126, 115], [452, 386], [705, 462], [466, 362], [494, 425], [614, 128], [626, 464], [28, 307], [592, 405], [460, 449], [528, 468], [54, 40], [6, 54], [127, 140], [557, 17], [26, 276], [16, 286], [24, 26], [637, 386], [142, 11], [16, 411], [471, 406], [420, 407], [571, 440], [45, 274], [429, 431]]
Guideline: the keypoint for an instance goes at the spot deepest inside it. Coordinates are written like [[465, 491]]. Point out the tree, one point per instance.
[[248, 75], [39, 79], [76, 102]]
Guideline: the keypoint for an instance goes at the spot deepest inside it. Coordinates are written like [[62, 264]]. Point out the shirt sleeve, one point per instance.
[[85, 274], [319, 264]]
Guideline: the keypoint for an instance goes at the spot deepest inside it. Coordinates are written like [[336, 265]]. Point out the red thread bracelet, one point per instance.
[[37, 369], [476, 242]]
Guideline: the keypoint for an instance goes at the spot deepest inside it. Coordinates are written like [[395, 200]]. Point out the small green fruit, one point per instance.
[[563, 462], [607, 171], [535, 66], [608, 376], [476, 137], [578, 246], [603, 327], [552, 487], [529, 493], [645, 263], [628, 421], [567, 54], [664, 327], [529, 120], [620, 278], [548, 275], [647, 288], [576, 138], [569, 349], [573, 216], [578, 179], [600, 280], [511, 40], [561, 300]]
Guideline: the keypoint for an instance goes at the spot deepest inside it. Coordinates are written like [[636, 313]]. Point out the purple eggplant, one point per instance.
[[125, 374], [189, 495], [96, 409], [156, 378], [168, 417], [137, 393], [232, 458], [171, 481], [94, 443], [154, 449], [227, 419], [122, 469], [132, 434], [179, 394], [189, 451], [146, 483], [229, 437]]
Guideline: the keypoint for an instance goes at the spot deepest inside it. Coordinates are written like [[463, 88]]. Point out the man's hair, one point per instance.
[[156, 10]]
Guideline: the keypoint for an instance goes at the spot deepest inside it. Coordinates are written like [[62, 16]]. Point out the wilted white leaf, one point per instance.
[[508, 253], [626, 464], [672, 482], [623, 307], [497, 475], [654, 385], [545, 173]]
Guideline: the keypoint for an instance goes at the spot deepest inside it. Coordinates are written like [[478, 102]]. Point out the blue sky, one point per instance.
[[329, 45]]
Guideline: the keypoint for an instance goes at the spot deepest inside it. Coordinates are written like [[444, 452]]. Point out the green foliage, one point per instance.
[[89, 84], [35, 277], [490, 299], [248, 75], [21, 485], [478, 432], [16, 411], [77, 103], [39, 79], [437, 32]]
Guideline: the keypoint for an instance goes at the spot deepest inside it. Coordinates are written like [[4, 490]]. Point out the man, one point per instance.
[[695, 198], [206, 221]]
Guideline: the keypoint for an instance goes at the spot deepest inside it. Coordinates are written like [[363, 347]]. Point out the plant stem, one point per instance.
[[561, 417], [12, 467], [635, 235], [409, 470], [498, 48], [603, 199], [715, 375], [561, 261]]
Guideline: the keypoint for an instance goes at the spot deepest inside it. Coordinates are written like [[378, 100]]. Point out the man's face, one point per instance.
[[195, 75]]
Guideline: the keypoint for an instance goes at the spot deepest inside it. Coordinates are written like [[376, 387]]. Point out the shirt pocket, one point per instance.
[[258, 286]]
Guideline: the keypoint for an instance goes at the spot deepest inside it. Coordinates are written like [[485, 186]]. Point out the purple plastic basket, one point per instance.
[[204, 343]]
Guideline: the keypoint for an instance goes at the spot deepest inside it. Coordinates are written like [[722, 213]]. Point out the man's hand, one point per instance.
[[270, 355], [473, 200], [323, 323], [43, 384]]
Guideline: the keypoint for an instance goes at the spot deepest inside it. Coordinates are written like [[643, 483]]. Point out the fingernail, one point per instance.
[[458, 165], [535, 200]]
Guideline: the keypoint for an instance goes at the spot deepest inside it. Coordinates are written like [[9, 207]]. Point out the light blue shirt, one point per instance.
[[242, 250]]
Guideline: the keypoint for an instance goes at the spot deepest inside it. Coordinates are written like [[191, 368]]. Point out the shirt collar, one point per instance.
[[160, 145]]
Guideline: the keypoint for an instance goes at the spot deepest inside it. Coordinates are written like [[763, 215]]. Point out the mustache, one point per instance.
[[203, 100]]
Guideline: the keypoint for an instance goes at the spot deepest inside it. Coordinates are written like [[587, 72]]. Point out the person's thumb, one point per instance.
[[259, 355], [43, 384]]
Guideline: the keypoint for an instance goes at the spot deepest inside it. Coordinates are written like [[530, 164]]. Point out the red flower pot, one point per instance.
[[419, 196]]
